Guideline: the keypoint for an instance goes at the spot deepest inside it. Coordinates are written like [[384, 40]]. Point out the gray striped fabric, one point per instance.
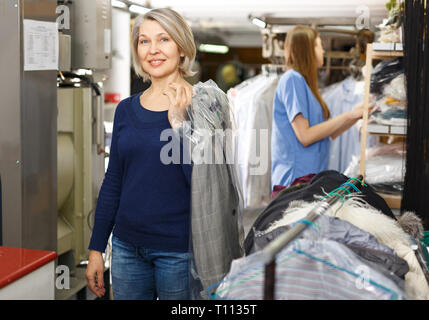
[[306, 269], [216, 201]]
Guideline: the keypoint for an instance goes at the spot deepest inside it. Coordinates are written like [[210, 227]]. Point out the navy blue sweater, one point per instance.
[[144, 201]]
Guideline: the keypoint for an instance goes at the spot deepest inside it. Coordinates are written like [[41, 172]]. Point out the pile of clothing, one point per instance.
[[357, 250], [384, 167], [389, 87]]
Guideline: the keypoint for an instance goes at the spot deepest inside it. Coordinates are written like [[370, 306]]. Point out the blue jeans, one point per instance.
[[145, 274]]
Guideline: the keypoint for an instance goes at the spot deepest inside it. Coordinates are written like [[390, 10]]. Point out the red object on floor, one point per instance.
[[305, 179], [276, 190], [16, 262]]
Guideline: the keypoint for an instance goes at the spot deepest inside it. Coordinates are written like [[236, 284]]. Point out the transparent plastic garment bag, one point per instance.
[[217, 234]]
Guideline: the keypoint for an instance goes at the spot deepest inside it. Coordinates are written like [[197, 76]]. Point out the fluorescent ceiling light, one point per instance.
[[138, 9], [213, 48], [118, 4], [259, 23]]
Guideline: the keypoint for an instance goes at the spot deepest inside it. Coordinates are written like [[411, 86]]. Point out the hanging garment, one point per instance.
[[241, 100], [386, 230], [251, 103], [216, 201], [322, 183], [258, 182], [307, 269], [342, 97]]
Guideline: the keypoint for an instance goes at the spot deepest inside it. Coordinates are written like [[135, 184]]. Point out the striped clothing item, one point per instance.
[[309, 270]]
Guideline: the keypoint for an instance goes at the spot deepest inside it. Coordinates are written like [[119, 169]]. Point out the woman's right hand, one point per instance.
[[95, 273], [180, 96], [357, 112]]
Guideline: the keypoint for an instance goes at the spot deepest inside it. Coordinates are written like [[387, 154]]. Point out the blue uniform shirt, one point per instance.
[[289, 158]]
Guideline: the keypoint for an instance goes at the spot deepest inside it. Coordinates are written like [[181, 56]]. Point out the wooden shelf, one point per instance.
[[393, 201], [382, 55], [386, 130]]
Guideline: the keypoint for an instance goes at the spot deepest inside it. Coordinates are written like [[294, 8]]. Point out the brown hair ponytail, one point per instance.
[[300, 56]]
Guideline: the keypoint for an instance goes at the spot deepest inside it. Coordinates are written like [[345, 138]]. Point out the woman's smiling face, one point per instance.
[[159, 55]]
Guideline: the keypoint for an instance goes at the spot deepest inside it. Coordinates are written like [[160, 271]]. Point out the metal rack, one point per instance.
[[271, 250]]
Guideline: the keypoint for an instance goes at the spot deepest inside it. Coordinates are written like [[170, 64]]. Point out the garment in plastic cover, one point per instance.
[[217, 233], [307, 269], [384, 164]]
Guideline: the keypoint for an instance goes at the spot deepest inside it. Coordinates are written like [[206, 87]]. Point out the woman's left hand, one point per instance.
[[180, 96]]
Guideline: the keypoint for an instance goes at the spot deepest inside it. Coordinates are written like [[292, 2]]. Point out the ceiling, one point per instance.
[[234, 13], [230, 18]]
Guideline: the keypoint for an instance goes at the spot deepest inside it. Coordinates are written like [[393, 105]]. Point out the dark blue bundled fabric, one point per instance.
[[145, 201]]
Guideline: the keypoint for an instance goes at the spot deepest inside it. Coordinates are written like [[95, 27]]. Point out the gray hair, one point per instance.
[[178, 30]]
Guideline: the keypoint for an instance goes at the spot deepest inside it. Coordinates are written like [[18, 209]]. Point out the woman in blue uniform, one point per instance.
[[301, 122]]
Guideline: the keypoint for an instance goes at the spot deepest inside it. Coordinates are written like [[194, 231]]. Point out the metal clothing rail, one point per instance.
[[273, 248]]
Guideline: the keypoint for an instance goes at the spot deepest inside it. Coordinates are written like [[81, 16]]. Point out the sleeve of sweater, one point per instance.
[[185, 148], [110, 192]]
